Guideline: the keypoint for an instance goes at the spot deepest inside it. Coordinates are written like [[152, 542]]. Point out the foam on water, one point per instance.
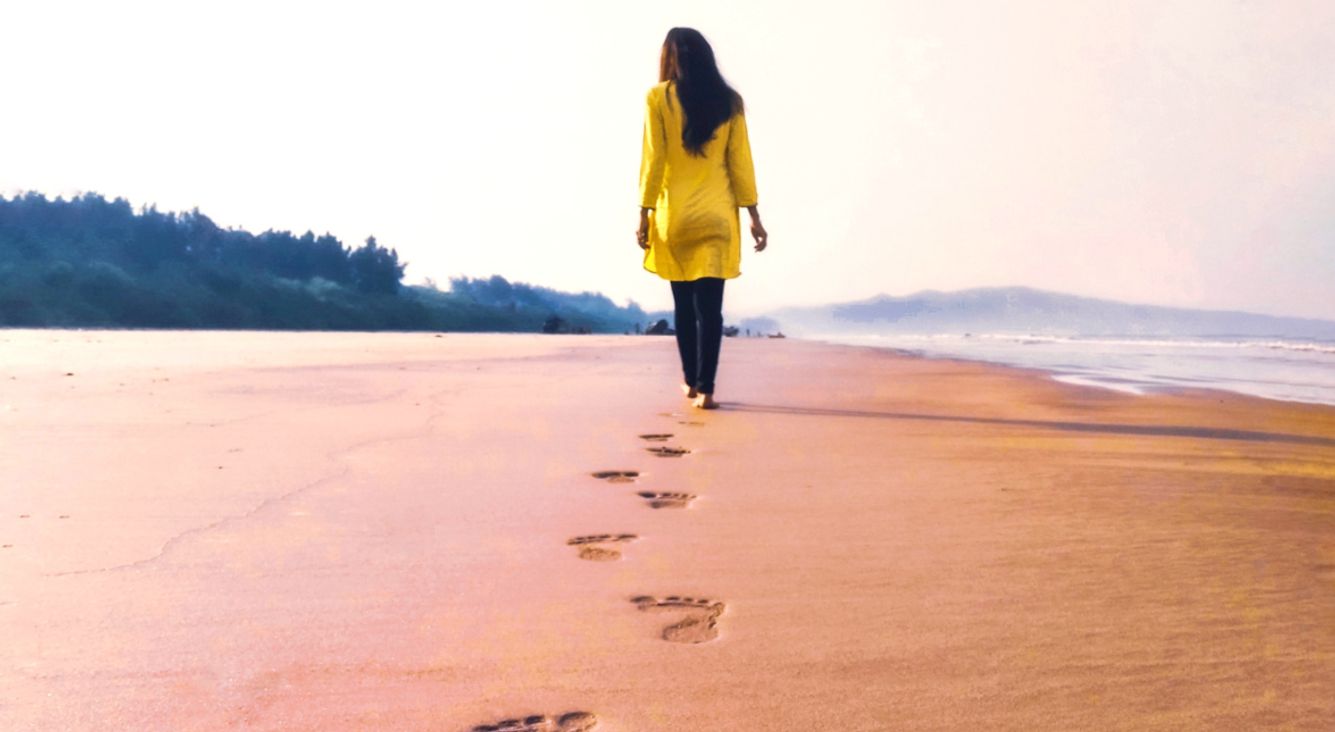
[[1273, 368]]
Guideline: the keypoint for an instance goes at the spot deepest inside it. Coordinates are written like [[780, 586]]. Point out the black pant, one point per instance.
[[699, 316]]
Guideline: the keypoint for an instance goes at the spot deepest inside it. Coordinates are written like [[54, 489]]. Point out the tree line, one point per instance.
[[35, 229], [88, 261]]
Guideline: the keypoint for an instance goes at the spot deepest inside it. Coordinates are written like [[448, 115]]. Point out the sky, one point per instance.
[[1167, 152]]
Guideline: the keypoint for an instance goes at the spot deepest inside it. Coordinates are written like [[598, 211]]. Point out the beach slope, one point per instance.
[[278, 531]]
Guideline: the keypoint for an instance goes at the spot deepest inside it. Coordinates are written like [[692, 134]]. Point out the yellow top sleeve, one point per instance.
[[741, 171], [653, 159]]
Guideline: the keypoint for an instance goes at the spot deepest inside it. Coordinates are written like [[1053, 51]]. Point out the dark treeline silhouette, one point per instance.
[[92, 262], [581, 310]]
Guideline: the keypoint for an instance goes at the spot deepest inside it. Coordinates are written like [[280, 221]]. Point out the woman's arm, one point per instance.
[[653, 155], [742, 174], [757, 229], [741, 170], [642, 235], [653, 162]]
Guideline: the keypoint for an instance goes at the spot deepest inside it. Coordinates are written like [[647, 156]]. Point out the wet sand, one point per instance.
[[206, 531]]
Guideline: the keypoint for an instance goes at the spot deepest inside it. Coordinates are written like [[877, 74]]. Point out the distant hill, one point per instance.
[[1024, 310]]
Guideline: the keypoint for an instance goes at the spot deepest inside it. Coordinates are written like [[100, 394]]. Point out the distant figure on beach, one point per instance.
[[695, 173]]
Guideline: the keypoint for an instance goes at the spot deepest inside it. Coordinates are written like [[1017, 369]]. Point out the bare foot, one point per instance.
[[689, 391], [705, 401]]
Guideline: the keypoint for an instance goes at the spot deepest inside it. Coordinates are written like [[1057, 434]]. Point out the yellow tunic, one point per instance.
[[694, 231]]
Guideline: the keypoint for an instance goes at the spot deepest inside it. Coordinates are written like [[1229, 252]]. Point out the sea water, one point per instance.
[[1273, 368]]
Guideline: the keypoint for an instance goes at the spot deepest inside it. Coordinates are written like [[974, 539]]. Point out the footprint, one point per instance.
[[568, 722], [666, 500], [700, 624], [589, 549], [656, 437], [668, 451], [617, 476]]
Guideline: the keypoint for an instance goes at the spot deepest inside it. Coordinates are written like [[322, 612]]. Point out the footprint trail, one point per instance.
[[667, 500], [569, 722], [700, 624], [589, 546]]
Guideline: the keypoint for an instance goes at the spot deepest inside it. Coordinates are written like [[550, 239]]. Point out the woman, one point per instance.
[[695, 173]]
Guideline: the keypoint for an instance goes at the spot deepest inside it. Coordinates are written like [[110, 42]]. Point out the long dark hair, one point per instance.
[[706, 99]]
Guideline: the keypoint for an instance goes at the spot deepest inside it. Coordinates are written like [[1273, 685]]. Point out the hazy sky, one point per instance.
[[1178, 153]]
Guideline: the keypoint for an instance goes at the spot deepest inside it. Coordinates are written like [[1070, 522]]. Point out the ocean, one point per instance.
[[1272, 368]]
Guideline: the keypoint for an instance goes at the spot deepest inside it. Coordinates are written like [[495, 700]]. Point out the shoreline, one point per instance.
[[327, 531], [1082, 379], [1088, 377], [1126, 386]]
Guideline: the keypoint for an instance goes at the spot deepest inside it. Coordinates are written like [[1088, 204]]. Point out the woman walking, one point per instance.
[[695, 173]]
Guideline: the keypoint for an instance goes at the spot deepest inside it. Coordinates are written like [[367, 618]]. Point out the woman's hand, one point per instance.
[[758, 229], [642, 236]]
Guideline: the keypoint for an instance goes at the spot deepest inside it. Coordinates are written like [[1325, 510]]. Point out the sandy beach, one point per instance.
[[321, 531]]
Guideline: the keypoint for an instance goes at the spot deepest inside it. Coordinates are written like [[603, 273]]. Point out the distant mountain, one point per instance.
[[1024, 310]]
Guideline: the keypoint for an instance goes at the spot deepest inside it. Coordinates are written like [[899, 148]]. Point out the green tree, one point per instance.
[[376, 269]]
